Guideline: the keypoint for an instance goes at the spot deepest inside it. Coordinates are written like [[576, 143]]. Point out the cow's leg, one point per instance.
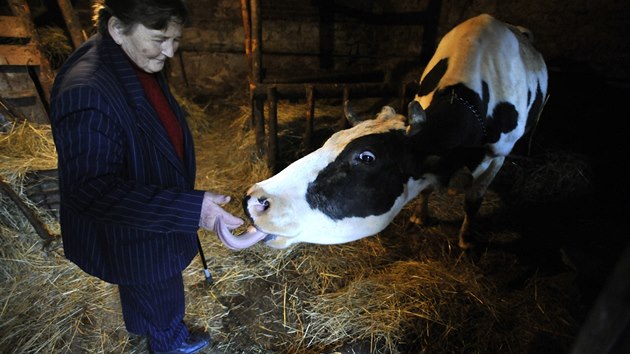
[[474, 197], [421, 214]]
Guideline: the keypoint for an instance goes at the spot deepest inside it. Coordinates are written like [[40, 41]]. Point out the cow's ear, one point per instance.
[[352, 117], [416, 119], [387, 112]]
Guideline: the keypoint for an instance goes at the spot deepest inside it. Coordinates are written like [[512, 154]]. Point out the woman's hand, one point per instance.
[[211, 209]]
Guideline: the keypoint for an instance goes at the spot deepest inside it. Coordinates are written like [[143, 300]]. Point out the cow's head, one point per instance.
[[350, 188]]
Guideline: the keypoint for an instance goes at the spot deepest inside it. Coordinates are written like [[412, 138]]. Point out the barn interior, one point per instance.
[[263, 84]]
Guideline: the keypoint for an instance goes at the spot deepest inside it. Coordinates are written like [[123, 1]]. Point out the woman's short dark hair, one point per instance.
[[154, 14]]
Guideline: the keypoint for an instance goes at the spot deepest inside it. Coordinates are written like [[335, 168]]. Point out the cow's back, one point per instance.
[[499, 63]]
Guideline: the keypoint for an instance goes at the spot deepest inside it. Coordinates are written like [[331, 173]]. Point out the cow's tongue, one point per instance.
[[237, 242]]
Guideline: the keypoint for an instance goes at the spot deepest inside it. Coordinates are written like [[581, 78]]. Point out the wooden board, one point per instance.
[[13, 27], [20, 55]]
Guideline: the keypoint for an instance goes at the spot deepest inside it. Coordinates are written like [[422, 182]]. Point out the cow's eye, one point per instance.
[[367, 157]]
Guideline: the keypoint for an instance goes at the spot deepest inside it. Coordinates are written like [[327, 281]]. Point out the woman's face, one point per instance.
[[148, 48]]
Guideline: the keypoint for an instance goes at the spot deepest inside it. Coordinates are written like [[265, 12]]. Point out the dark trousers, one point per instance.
[[157, 311]]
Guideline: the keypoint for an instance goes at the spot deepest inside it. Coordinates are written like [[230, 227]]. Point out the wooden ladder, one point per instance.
[[26, 76]]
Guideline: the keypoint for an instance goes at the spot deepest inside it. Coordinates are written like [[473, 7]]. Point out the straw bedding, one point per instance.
[[406, 290]]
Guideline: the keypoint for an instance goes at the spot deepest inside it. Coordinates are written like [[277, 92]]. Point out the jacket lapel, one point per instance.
[[146, 117]]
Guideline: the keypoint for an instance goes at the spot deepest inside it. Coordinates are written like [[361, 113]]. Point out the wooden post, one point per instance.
[[310, 112], [403, 99], [256, 42], [250, 10], [72, 23], [605, 329], [247, 26], [272, 144], [252, 119], [343, 121], [259, 119]]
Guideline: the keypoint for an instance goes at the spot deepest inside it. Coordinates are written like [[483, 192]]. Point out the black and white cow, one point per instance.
[[483, 87]]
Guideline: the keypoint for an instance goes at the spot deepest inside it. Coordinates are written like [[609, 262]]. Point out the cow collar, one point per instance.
[[473, 110]]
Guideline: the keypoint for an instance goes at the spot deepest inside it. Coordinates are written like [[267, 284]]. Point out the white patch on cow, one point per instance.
[[386, 120]]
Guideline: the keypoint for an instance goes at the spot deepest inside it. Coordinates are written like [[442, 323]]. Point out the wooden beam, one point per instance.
[[13, 27], [33, 219], [326, 90], [20, 55]]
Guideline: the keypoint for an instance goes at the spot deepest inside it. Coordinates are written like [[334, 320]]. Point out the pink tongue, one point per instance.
[[237, 242]]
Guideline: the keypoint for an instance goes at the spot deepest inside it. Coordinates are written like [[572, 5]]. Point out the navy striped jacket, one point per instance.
[[129, 213]]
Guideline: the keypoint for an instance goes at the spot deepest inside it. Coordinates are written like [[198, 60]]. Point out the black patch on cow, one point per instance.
[[534, 111], [453, 160], [431, 80], [504, 120], [354, 186], [455, 118]]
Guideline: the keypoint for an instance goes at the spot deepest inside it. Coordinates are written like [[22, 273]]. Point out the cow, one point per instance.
[[484, 86]]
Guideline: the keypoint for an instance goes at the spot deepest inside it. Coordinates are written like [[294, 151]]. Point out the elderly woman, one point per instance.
[[129, 210]]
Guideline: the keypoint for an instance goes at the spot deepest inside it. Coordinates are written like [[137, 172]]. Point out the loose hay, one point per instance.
[[26, 147], [405, 290], [551, 177], [55, 44]]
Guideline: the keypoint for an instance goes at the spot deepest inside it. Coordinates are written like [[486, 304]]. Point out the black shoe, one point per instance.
[[194, 343]]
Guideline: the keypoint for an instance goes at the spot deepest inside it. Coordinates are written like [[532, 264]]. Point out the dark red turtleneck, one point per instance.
[[158, 100]]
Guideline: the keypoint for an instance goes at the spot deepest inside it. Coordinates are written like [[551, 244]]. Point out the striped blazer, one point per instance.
[[129, 212]]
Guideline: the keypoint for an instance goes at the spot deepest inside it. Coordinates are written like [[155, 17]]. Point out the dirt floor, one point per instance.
[[548, 236]]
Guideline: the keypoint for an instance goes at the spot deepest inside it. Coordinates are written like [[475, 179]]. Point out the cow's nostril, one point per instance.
[[264, 203]]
